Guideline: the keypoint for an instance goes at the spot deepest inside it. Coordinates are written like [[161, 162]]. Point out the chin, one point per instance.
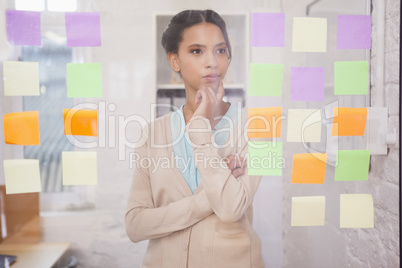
[[214, 85]]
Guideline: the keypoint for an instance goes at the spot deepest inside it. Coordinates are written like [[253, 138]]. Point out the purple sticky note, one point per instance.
[[268, 29], [354, 32], [83, 29], [23, 28], [307, 84]]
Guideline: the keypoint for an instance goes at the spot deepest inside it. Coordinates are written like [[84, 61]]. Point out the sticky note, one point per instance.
[[351, 78], [22, 176], [265, 158], [308, 211], [264, 122], [84, 80], [79, 168], [352, 165], [307, 84], [21, 128], [304, 125], [309, 168], [268, 29], [21, 78], [23, 28], [349, 121], [356, 211], [309, 35], [80, 122], [354, 32], [83, 29], [265, 79]]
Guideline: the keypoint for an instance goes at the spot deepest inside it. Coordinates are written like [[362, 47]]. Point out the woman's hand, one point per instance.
[[236, 164], [209, 102]]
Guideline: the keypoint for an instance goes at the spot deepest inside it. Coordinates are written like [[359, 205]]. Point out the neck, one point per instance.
[[190, 102], [189, 108]]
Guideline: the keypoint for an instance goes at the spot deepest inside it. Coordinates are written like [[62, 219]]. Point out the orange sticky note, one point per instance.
[[264, 122], [309, 168], [21, 128], [349, 121], [80, 122]]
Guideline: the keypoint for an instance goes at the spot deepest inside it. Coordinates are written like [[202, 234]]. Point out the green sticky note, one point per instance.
[[351, 78], [265, 79], [265, 158], [84, 80], [79, 168], [352, 165]]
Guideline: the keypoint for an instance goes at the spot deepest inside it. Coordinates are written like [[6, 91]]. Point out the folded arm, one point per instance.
[[229, 196], [145, 221]]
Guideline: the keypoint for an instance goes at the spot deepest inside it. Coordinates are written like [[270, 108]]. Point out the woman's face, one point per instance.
[[202, 56]]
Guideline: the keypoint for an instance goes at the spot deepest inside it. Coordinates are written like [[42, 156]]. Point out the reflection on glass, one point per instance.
[[52, 57]]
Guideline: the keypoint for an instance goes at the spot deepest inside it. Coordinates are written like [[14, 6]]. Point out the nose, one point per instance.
[[211, 61]]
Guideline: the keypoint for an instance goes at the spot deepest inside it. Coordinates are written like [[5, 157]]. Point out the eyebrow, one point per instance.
[[199, 45]]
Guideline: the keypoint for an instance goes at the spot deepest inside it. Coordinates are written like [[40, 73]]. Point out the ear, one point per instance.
[[174, 61]]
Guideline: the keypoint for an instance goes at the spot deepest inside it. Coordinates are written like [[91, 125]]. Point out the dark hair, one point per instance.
[[172, 36]]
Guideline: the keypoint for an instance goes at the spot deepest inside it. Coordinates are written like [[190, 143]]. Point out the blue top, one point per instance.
[[184, 151]]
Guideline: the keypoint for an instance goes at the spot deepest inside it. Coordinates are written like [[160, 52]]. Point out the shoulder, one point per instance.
[[157, 129], [158, 123], [242, 128], [242, 118], [239, 113]]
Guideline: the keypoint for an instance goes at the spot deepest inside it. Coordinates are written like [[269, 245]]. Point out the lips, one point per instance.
[[211, 77]]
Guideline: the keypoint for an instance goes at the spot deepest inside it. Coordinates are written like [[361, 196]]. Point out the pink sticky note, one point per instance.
[[83, 29], [23, 28], [268, 29], [354, 32], [307, 84]]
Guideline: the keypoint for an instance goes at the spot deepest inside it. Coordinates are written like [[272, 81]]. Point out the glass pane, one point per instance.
[[52, 57]]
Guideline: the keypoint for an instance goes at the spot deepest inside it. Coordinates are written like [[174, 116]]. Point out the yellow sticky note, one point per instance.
[[304, 125], [79, 168], [21, 128], [309, 168], [349, 121], [308, 211], [356, 211], [264, 122], [21, 78], [309, 35], [80, 122], [22, 176]]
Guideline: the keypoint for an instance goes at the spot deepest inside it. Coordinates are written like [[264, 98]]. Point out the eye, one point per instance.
[[195, 51], [222, 50]]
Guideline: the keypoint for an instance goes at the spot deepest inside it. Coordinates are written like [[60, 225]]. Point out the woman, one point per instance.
[[197, 211]]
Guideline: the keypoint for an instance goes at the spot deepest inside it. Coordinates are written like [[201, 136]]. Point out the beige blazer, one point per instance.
[[210, 228]]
